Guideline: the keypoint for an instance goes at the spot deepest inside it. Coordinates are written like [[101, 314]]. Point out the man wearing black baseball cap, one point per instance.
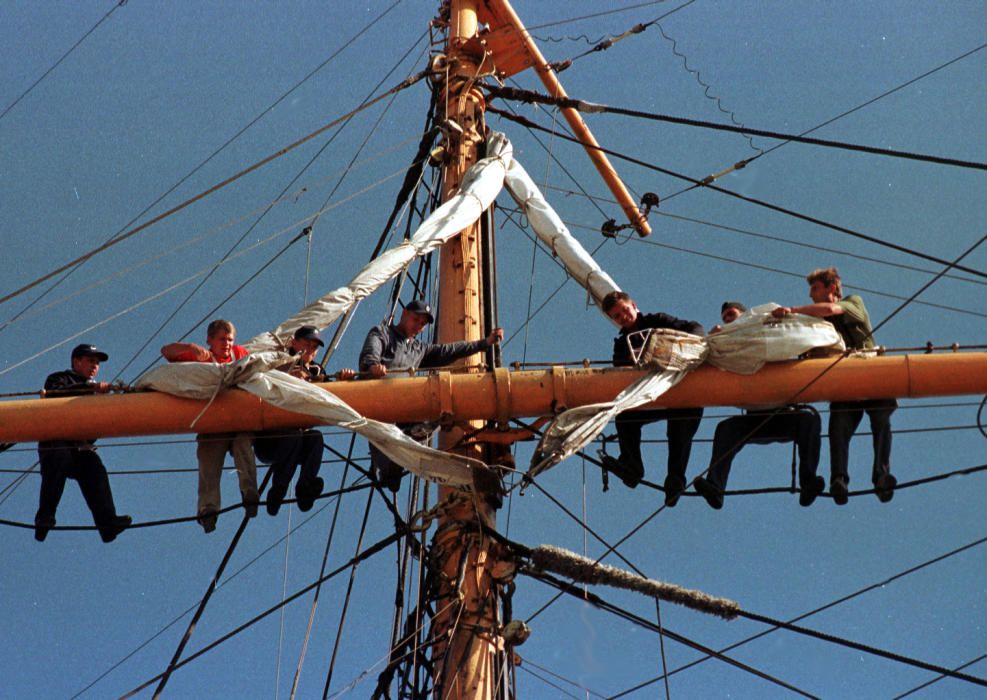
[[77, 459], [391, 347], [286, 450]]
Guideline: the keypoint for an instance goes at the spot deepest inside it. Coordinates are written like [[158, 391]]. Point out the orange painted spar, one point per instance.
[[498, 396], [514, 50]]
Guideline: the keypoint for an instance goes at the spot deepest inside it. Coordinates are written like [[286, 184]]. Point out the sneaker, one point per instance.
[[809, 491], [275, 497], [250, 500], [117, 524], [207, 519], [674, 486], [838, 489], [713, 495], [307, 490], [630, 475], [885, 487], [41, 528]]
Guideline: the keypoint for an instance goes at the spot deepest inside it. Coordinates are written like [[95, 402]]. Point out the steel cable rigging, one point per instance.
[[751, 200], [212, 155]]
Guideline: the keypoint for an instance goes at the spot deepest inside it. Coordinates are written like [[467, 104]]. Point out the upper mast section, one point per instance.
[[513, 50]]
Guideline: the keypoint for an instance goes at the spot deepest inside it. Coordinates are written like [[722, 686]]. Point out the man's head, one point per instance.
[[730, 311], [621, 309], [825, 285], [307, 342], [416, 315], [221, 337], [86, 359]]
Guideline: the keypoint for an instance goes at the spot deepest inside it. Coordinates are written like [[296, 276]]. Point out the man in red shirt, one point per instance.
[[211, 448]]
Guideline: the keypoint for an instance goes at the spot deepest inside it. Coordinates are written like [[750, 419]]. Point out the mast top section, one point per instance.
[[491, 37]]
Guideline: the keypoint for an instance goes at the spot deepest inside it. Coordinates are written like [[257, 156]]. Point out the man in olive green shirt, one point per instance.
[[852, 322]]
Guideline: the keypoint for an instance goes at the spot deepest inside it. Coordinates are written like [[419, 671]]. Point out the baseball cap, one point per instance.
[[309, 333], [87, 350], [419, 306]]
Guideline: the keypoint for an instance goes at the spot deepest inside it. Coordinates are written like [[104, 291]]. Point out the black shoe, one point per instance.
[[630, 475], [275, 497], [307, 490], [713, 495], [809, 491], [389, 476], [250, 501], [41, 528], [207, 519], [838, 489], [674, 486], [117, 524], [885, 487]]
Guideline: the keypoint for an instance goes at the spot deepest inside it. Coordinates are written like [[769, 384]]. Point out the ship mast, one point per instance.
[[467, 645]]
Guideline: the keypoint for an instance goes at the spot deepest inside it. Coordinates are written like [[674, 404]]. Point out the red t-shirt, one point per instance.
[[190, 356]]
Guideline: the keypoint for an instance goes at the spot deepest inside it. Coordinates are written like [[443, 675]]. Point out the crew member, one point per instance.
[[390, 347], [286, 450], [762, 426], [852, 322], [211, 448], [682, 423], [77, 459]]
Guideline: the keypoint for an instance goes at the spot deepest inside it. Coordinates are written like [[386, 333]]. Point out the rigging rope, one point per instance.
[[322, 571], [231, 577], [205, 599], [349, 593], [751, 200], [268, 110], [188, 202], [595, 600], [65, 55], [529, 96], [367, 553]]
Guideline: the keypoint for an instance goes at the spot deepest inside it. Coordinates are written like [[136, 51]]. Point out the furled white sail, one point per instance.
[[480, 186], [257, 374], [743, 347], [553, 232]]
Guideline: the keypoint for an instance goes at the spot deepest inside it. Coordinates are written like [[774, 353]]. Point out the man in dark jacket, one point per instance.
[[286, 450], [77, 459], [390, 347], [762, 426], [682, 423]]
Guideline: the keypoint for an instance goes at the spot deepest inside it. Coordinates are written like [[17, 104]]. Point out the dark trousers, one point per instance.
[[802, 427], [285, 451], [65, 460], [844, 417], [682, 424]]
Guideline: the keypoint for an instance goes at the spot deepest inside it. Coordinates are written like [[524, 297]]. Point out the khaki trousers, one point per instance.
[[211, 449]]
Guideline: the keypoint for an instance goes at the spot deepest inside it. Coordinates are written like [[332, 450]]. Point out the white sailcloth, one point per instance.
[[549, 227], [480, 186], [256, 374], [743, 347]]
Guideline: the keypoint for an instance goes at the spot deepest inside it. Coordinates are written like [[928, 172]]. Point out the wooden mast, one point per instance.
[[464, 656], [499, 396]]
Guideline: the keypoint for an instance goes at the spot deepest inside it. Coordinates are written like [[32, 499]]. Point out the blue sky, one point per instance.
[[157, 88]]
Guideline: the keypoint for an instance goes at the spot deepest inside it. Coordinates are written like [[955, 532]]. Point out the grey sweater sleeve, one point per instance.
[[439, 355]]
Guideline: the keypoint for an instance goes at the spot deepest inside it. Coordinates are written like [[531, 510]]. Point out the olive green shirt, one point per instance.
[[854, 323]]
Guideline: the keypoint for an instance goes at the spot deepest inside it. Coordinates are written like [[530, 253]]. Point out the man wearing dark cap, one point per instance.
[[730, 311], [286, 450], [762, 426], [77, 459], [395, 347]]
